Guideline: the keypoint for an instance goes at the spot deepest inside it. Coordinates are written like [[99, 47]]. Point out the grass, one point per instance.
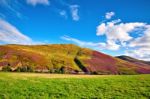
[[63, 86]]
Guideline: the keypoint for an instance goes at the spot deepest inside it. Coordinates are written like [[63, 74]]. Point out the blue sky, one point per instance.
[[115, 27]]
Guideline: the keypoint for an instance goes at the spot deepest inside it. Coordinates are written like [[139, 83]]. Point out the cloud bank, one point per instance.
[[120, 35], [94, 45], [9, 34]]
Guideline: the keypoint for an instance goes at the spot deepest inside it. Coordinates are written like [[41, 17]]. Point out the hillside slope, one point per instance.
[[64, 58], [133, 60]]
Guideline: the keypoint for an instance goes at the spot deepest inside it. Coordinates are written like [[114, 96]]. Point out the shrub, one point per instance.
[[24, 69], [94, 73], [59, 71], [62, 70], [6, 68]]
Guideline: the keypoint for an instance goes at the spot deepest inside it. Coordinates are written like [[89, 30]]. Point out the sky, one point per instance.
[[114, 27]]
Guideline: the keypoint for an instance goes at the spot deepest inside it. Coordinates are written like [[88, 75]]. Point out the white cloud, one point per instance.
[[74, 12], [117, 32], [11, 8], [122, 35], [142, 54], [83, 43], [141, 45], [109, 15], [119, 35], [63, 13], [35, 2], [142, 41], [111, 45], [134, 37], [11, 35], [96, 46]]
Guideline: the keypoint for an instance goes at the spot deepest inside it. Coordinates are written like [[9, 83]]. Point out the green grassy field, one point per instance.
[[54, 86]]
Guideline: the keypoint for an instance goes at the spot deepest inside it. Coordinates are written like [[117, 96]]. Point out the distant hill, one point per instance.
[[133, 60], [64, 58]]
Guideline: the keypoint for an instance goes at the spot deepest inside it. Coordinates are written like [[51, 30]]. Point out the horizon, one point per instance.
[[112, 27]]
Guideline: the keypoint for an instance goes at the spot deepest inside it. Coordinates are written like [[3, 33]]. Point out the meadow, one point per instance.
[[64, 86]]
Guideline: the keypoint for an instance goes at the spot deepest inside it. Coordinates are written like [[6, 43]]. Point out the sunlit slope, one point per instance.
[[43, 57], [63, 58]]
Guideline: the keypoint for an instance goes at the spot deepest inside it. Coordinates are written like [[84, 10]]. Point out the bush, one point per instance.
[[94, 73], [59, 71], [62, 70], [24, 69], [6, 68]]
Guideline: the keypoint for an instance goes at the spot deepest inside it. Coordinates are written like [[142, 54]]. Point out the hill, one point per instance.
[[64, 58], [133, 60]]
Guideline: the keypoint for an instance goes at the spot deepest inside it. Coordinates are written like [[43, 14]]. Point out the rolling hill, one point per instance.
[[64, 58], [133, 60]]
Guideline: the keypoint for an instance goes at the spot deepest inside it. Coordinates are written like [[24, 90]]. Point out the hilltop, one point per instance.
[[64, 58], [133, 60]]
